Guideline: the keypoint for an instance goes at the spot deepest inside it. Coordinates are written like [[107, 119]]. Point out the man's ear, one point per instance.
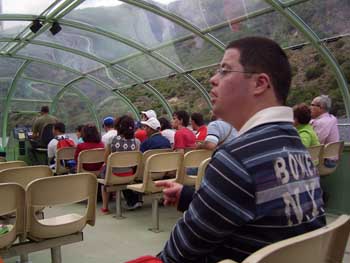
[[262, 83]]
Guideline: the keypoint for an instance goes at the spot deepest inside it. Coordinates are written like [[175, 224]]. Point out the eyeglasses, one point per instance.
[[222, 72]]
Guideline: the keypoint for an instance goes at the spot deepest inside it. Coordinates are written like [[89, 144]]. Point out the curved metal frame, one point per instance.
[[89, 103], [18, 75], [59, 8], [10, 93], [155, 55], [294, 19]]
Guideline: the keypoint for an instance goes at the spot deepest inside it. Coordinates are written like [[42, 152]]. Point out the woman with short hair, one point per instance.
[[302, 117]]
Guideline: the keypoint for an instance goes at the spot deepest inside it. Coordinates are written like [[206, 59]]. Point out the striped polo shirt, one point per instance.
[[258, 189]]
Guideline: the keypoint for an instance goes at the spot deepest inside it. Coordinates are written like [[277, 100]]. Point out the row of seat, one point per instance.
[[321, 153], [24, 198], [150, 166], [172, 163]]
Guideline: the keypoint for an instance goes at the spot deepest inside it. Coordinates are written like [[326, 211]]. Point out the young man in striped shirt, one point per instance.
[[260, 188]]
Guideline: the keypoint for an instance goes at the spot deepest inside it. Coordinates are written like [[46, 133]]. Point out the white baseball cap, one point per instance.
[[153, 123], [150, 114]]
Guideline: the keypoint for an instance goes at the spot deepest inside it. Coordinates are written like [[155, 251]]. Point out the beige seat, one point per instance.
[[192, 159], [90, 156], [14, 195], [145, 157], [59, 190], [201, 171], [158, 163], [115, 183], [24, 175], [323, 245], [63, 154], [331, 151], [316, 152], [2, 159], [11, 164]]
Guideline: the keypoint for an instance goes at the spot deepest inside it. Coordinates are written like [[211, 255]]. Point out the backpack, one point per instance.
[[64, 143]]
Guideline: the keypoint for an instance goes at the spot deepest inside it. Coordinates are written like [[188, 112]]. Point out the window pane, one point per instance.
[[94, 44], [43, 71], [146, 67], [112, 77], [28, 89], [60, 57]]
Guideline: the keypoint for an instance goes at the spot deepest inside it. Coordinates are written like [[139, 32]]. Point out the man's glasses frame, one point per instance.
[[223, 71]]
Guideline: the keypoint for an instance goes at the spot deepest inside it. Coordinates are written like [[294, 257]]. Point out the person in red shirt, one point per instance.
[[92, 140], [184, 137], [198, 125]]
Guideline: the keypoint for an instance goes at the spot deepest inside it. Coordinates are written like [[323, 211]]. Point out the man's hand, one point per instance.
[[171, 192]]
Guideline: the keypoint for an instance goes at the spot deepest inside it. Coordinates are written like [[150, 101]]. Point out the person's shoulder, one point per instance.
[[264, 132], [53, 141]]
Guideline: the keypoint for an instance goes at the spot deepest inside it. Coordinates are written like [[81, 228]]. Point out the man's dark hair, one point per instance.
[[302, 113], [45, 109], [164, 123], [182, 116], [197, 118], [90, 133], [59, 126], [79, 128], [125, 126], [263, 55]]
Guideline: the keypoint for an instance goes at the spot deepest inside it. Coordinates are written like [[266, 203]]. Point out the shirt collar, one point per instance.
[[268, 115]]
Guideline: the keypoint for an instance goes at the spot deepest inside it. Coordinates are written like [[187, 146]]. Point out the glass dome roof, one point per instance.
[[114, 57]]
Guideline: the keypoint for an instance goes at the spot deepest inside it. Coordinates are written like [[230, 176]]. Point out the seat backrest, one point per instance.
[[326, 244], [90, 156], [145, 157], [11, 164], [60, 190], [2, 159], [63, 154], [24, 175], [160, 163], [192, 159], [122, 160], [201, 172], [332, 152], [12, 198], [46, 135], [316, 153]]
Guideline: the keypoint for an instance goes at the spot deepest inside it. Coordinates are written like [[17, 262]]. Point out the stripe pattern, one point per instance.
[[258, 189]]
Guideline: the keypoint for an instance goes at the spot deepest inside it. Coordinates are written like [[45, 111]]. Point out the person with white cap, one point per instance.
[[108, 126], [145, 115], [155, 139]]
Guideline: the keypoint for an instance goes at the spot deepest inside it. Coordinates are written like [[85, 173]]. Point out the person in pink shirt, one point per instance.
[[324, 123], [184, 138]]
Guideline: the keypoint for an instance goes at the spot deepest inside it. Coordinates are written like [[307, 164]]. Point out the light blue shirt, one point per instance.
[[218, 131]]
